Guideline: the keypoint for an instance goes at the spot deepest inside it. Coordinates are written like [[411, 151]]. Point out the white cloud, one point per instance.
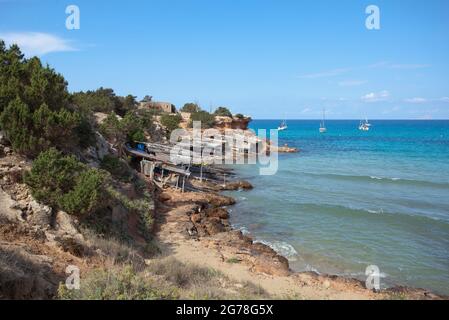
[[444, 99], [409, 66], [351, 83], [378, 65], [37, 43], [306, 110], [376, 96], [416, 100]]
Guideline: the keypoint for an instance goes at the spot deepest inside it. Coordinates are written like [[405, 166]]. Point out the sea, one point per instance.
[[351, 199]]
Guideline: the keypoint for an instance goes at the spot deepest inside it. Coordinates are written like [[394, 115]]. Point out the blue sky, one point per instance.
[[268, 59]]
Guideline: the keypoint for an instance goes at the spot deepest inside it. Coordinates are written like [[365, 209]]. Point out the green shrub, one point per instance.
[[207, 119], [31, 132], [239, 116], [190, 107], [222, 111], [129, 129], [87, 194], [35, 113], [234, 260], [29, 81], [170, 121], [116, 167], [103, 100], [64, 183]]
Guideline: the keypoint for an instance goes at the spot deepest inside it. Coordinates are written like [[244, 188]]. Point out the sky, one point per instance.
[[269, 59]]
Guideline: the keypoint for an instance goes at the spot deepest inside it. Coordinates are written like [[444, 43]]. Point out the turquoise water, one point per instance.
[[351, 199]]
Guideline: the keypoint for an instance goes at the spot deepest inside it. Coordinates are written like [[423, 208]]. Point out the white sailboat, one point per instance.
[[364, 126], [322, 126], [283, 125]]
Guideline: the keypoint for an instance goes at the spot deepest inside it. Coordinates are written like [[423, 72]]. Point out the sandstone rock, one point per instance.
[[26, 275], [94, 154], [276, 265], [237, 185], [217, 213], [214, 226], [7, 151], [191, 229], [196, 218], [39, 214], [164, 197], [72, 245], [65, 223], [8, 207], [220, 201], [2, 138]]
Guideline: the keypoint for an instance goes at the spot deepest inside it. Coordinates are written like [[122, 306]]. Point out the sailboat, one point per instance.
[[283, 125], [322, 126], [364, 126]]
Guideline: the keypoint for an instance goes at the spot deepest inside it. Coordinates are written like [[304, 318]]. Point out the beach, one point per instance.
[[187, 228]]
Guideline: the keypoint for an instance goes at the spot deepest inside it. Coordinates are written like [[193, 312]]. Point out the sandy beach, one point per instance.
[[186, 231]]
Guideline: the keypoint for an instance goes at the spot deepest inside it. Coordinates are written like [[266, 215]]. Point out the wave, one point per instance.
[[243, 230], [394, 180], [283, 248], [350, 211]]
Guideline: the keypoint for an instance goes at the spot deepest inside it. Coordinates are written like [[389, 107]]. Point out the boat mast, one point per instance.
[[324, 117]]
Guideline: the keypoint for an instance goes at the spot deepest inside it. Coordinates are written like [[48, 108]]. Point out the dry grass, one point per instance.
[[198, 282], [113, 251], [182, 275]]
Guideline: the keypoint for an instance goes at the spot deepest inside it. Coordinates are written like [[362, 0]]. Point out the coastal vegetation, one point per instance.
[[161, 279], [170, 121], [35, 112], [103, 100], [207, 120], [131, 127], [190, 107], [64, 183], [223, 112]]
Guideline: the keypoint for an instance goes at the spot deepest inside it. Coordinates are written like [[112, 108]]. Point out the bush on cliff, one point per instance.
[[171, 122], [62, 182], [130, 128], [223, 112], [34, 105], [207, 120], [103, 100], [190, 107], [117, 168], [28, 80], [31, 132]]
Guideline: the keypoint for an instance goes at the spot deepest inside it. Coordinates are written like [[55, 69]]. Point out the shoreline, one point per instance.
[[194, 227]]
